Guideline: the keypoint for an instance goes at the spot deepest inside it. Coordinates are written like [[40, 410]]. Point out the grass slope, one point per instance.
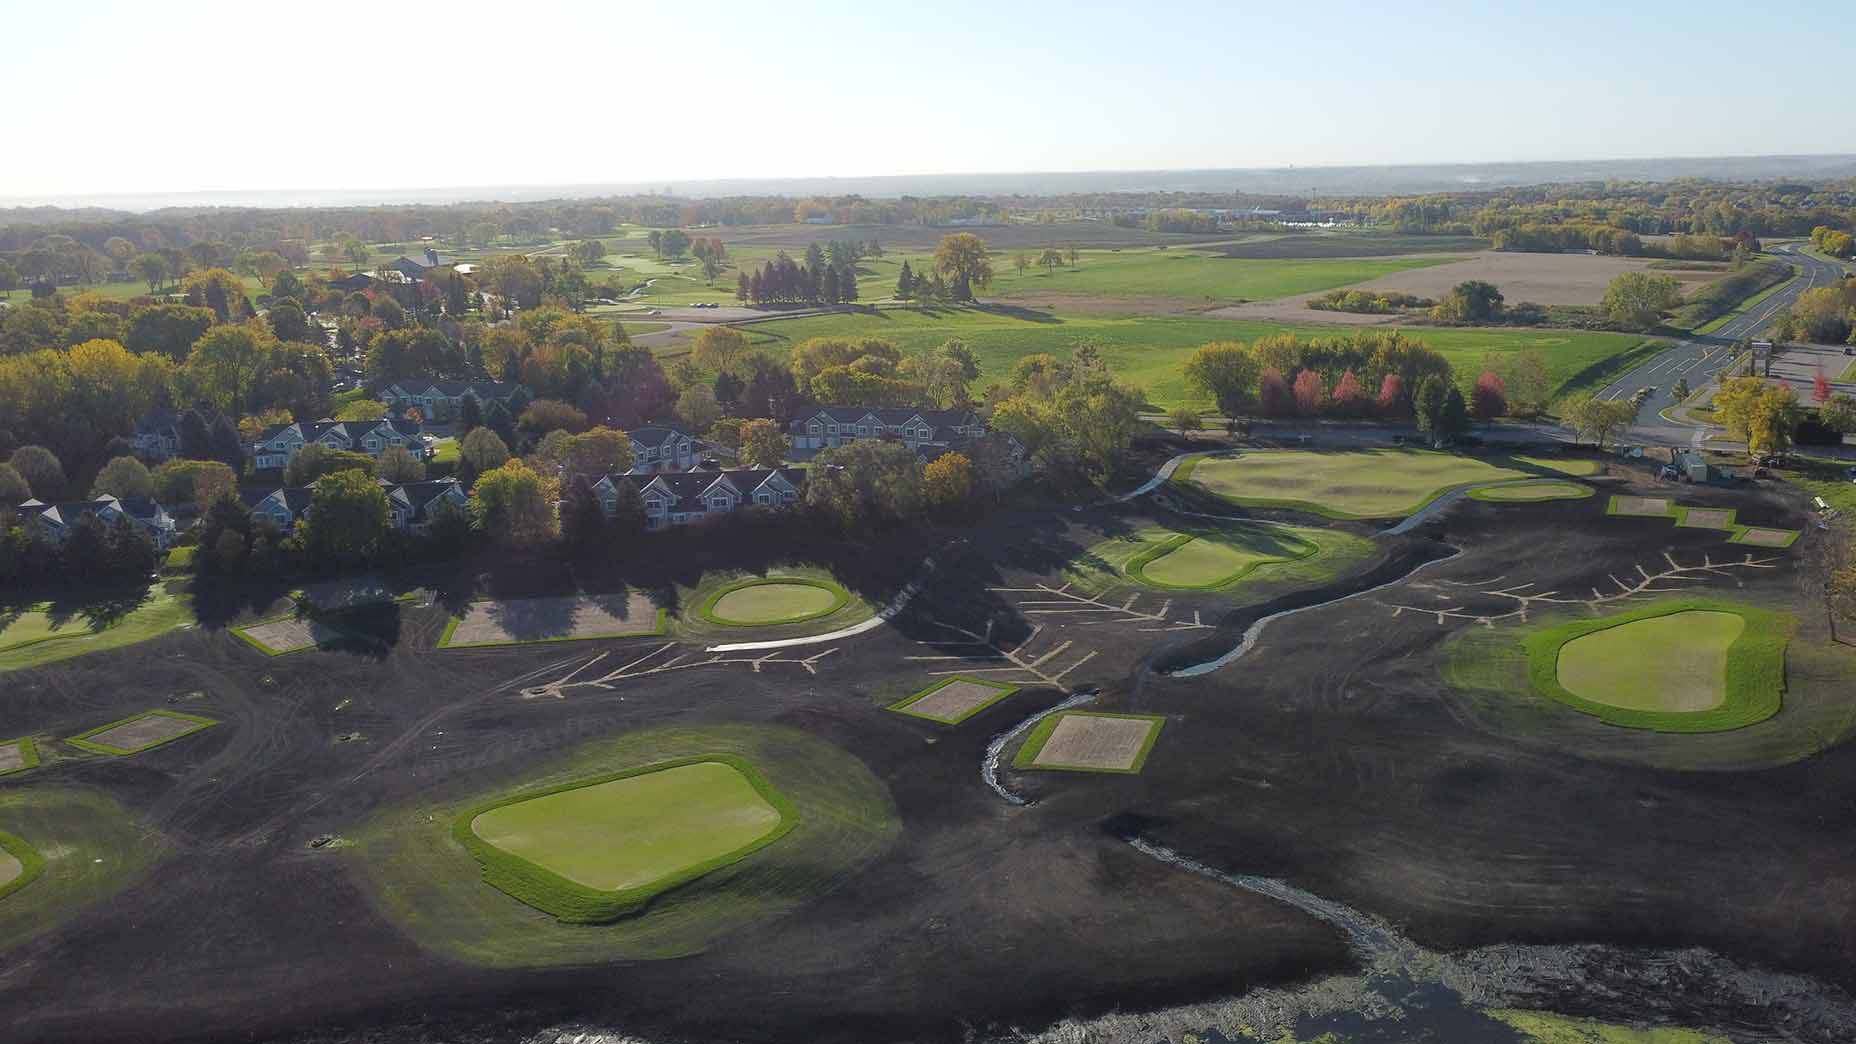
[[92, 848], [1218, 559], [1275, 550], [424, 880], [1149, 351], [1358, 484], [1755, 669], [1540, 1027], [31, 863], [37, 636], [28, 754], [669, 824]]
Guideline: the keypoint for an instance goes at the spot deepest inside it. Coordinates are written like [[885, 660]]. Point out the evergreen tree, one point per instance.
[[84, 546], [815, 257], [228, 448], [905, 282], [847, 285], [128, 549], [628, 510], [196, 436], [583, 520], [1454, 420], [496, 418], [728, 388], [828, 289], [470, 415], [743, 288]]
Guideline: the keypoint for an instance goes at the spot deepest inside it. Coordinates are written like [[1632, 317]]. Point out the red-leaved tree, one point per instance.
[[1820, 388], [1489, 400], [1349, 398], [1311, 392], [1392, 396], [1273, 394]]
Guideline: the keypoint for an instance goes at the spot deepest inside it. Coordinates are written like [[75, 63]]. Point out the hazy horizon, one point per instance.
[[127, 100]]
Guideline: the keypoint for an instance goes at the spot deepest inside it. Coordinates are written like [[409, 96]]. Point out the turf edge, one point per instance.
[[31, 863], [1027, 755], [28, 752], [840, 598], [82, 740], [902, 706]]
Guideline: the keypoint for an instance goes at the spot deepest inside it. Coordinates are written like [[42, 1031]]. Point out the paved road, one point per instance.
[[1699, 359]]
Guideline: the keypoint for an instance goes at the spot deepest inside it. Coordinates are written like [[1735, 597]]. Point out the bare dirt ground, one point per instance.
[[1710, 518], [10, 868], [143, 732], [547, 619], [1548, 279], [1763, 537], [11, 757], [949, 703], [293, 634], [1648, 507], [1083, 740]]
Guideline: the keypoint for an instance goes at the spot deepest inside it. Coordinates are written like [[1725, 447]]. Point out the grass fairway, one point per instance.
[[45, 634], [91, 848], [1357, 484], [595, 850], [425, 880], [1532, 492], [1231, 557], [773, 600], [1149, 351], [1688, 665], [1190, 275]]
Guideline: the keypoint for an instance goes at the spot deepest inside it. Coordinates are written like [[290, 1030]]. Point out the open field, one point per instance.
[[591, 851], [1380, 483], [520, 620], [774, 600], [144, 731], [1190, 275], [1689, 665], [46, 634], [1349, 244], [1150, 351], [1091, 741], [1547, 279], [91, 847], [954, 700]]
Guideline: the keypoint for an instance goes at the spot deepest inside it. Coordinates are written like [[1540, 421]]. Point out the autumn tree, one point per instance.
[[348, 517], [1597, 419], [1228, 372], [1349, 399], [1391, 399], [123, 477], [511, 504], [1185, 420], [1637, 300], [13, 487], [721, 349], [41, 469], [397, 464], [1311, 393], [1764, 415], [1273, 396], [763, 445], [595, 454], [313, 462], [1489, 399], [964, 259], [480, 451], [947, 482]]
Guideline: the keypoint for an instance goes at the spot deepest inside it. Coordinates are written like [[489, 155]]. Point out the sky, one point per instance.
[[110, 97]]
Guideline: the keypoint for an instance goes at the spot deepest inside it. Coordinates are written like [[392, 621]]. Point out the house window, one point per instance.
[[789, 495], [812, 428], [831, 429], [762, 498], [863, 430], [718, 503]]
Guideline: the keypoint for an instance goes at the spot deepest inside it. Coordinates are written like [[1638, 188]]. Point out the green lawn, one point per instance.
[[1533, 492], [1659, 666], [39, 636], [1149, 351], [594, 850], [1189, 275], [422, 879], [1357, 484], [1849, 374], [773, 600], [91, 848]]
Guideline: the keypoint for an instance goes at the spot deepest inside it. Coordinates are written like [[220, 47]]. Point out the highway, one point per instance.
[[1699, 359]]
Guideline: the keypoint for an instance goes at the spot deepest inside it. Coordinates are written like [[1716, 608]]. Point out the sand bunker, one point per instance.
[[10, 868], [1645, 507], [1763, 537], [955, 701], [138, 734], [291, 635], [1096, 741], [1708, 518], [12, 758]]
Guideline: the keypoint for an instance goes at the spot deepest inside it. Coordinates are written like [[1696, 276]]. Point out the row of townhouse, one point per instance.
[[830, 426], [55, 520], [413, 505], [657, 448], [444, 400], [157, 437], [278, 444], [682, 498]]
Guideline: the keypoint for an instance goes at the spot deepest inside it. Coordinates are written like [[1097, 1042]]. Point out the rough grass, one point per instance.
[[1358, 484], [39, 636], [1532, 491], [1149, 351], [773, 600], [1755, 671], [1113, 561], [92, 848], [423, 879], [660, 831]]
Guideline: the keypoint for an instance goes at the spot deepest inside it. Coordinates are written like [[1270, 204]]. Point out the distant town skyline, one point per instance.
[[122, 98]]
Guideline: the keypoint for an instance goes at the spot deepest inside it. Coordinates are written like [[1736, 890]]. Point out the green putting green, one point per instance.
[[1219, 558], [773, 600], [1669, 663], [1689, 665], [597, 849], [1209, 561], [1531, 492], [1352, 484]]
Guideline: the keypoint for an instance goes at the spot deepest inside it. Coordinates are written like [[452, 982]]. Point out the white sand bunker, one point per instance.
[[291, 635], [1097, 742], [1647, 507], [555, 619]]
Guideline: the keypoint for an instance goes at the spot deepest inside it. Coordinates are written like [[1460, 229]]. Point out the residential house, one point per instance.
[[841, 425], [351, 283], [416, 504], [278, 444], [657, 449], [415, 268], [999, 459], [282, 506], [157, 437], [683, 498], [442, 400], [56, 519]]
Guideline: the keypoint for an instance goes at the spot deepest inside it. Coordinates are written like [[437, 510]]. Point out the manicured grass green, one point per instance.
[[28, 755], [1532, 492], [30, 864], [772, 600], [1357, 484], [910, 704], [1266, 556], [594, 850], [91, 847], [422, 878], [179, 561], [1212, 560], [1149, 351], [1668, 663], [1753, 666], [86, 741], [37, 637], [1027, 756], [1540, 1027]]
